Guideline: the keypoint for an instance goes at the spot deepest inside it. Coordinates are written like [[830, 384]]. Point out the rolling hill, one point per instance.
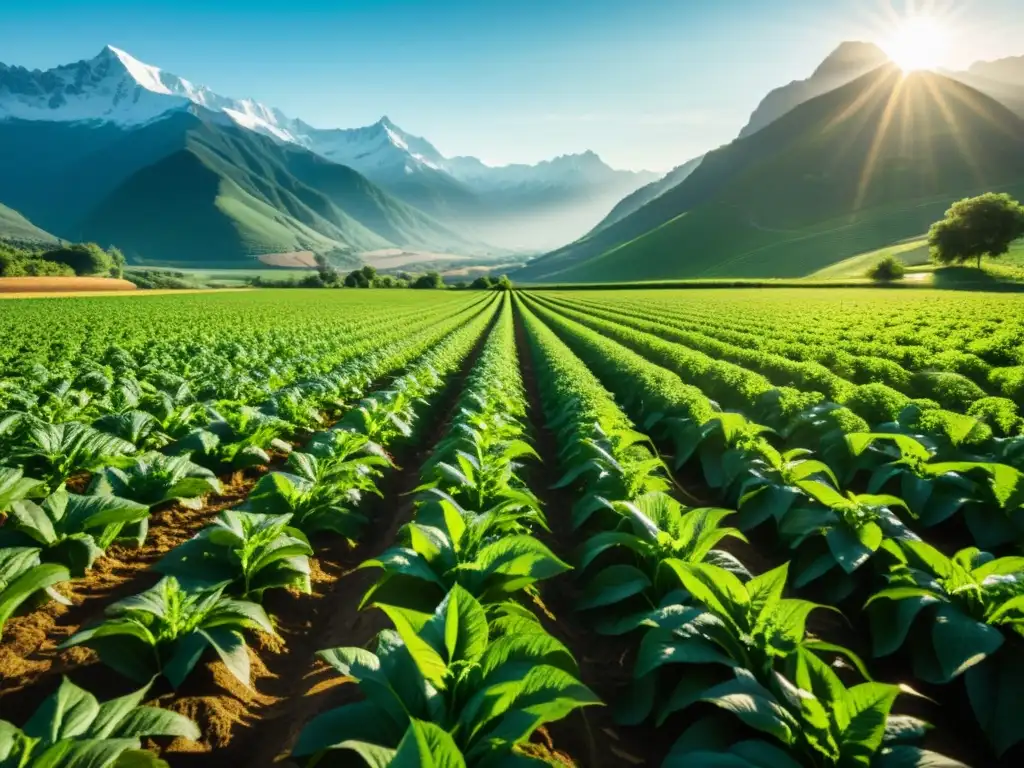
[[225, 194], [242, 193], [854, 169], [16, 228]]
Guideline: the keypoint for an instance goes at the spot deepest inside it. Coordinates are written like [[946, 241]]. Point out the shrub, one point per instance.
[[83, 258], [999, 413], [429, 280], [876, 403], [950, 390], [878, 370], [482, 283], [887, 269], [1010, 382]]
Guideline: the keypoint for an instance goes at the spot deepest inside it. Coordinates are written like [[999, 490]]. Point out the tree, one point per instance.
[[117, 261], [84, 258], [369, 273], [482, 283], [887, 268], [429, 280], [977, 227], [327, 273], [502, 284]]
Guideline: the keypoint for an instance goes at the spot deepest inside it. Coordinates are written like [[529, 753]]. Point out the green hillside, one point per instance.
[[637, 200], [856, 169], [16, 228], [229, 194]]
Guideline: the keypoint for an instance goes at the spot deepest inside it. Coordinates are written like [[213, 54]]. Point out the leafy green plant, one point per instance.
[[322, 492], [839, 531], [488, 683], [14, 486], [612, 464], [811, 720], [936, 490], [723, 624], [136, 427], [154, 479], [486, 554], [957, 614], [68, 528], [23, 575], [249, 551], [772, 483], [635, 559], [166, 629], [71, 728], [54, 452], [237, 437]]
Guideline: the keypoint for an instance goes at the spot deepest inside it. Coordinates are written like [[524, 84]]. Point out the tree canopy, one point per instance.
[[976, 227]]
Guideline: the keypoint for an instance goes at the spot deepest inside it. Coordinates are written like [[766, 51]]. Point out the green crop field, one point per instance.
[[589, 528]]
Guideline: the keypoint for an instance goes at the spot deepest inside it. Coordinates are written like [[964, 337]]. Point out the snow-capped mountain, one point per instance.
[[116, 87], [555, 200]]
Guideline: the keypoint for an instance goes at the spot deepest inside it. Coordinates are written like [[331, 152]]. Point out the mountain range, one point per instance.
[[854, 158], [114, 149]]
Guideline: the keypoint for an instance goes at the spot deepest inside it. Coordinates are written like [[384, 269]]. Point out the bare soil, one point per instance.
[[296, 259], [59, 285]]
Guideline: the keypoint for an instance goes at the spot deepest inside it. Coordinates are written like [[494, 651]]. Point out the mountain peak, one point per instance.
[[851, 55]]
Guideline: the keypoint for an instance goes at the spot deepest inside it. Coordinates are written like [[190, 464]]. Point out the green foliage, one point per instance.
[[429, 280], [1000, 413], [482, 283], [887, 269], [955, 613], [975, 227], [23, 575], [72, 728], [84, 259], [250, 552], [876, 403], [70, 529], [450, 668], [166, 630]]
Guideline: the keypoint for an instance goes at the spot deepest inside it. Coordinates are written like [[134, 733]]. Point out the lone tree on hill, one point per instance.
[[977, 227]]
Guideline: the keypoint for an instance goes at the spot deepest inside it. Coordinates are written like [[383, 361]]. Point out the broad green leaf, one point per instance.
[[612, 585], [960, 642], [66, 714]]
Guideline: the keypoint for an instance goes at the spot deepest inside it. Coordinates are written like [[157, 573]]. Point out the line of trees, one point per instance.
[[81, 259]]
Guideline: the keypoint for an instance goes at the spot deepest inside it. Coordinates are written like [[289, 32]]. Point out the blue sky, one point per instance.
[[645, 83]]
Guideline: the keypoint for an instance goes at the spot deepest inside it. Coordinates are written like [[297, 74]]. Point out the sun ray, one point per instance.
[[876, 145]]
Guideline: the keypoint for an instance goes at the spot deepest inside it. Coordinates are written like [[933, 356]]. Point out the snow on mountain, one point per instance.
[[115, 87], [379, 149]]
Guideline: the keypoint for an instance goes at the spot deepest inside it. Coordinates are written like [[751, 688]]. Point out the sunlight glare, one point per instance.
[[920, 42]]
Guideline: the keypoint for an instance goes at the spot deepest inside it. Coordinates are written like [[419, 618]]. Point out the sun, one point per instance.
[[919, 42]]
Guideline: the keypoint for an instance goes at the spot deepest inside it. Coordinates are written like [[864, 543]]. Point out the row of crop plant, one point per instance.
[[213, 583], [962, 615]]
